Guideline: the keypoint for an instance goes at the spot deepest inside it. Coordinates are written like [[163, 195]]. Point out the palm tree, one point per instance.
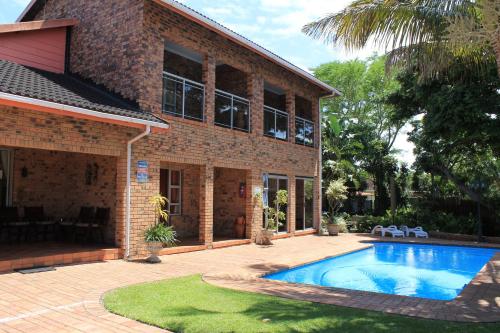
[[425, 33]]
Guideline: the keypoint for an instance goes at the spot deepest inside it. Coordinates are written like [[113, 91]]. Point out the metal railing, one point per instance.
[[171, 103], [276, 113], [232, 122]]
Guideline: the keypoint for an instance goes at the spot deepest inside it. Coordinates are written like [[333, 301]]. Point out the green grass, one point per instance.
[[190, 305]]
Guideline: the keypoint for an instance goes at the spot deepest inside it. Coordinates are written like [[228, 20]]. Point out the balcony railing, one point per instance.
[[275, 123], [183, 98], [304, 132], [232, 111]]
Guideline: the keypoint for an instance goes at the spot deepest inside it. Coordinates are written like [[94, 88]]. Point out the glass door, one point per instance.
[[5, 177], [303, 203], [272, 184]]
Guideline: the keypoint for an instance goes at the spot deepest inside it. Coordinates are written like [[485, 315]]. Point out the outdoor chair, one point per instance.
[[418, 232], [37, 218], [16, 228], [393, 230], [100, 222], [83, 222]]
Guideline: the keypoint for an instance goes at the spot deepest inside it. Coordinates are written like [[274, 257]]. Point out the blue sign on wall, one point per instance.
[[142, 172]]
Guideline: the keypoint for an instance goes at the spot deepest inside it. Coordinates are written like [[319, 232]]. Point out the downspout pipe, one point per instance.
[[320, 171], [146, 132]]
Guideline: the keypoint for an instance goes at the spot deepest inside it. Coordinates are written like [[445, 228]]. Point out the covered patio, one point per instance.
[[56, 208]]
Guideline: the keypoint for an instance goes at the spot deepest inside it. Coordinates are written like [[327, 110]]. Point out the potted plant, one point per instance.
[[336, 193], [158, 234], [274, 217]]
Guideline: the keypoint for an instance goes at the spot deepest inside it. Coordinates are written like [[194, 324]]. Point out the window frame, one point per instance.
[[169, 192], [275, 112], [183, 81], [303, 121], [239, 99]]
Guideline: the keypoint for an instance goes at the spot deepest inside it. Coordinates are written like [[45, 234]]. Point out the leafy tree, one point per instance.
[[430, 33], [458, 137], [359, 128]]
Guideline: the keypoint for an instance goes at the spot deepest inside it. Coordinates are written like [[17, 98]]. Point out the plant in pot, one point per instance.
[[336, 193], [274, 217], [159, 234]]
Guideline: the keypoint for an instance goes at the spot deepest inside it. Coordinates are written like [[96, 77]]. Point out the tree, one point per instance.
[[428, 33], [359, 128], [336, 194], [458, 137]]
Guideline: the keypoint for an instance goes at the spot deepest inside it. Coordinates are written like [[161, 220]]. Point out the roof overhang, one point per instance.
[[76, 112], [234, 37], [37, 25]]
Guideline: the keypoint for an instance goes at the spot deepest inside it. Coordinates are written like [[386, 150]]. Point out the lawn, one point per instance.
[[190, 305]]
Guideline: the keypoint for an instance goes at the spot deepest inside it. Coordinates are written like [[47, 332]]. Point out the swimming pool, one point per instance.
[[428, 271]]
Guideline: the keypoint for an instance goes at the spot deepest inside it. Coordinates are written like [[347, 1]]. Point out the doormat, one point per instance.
[[35, 270]]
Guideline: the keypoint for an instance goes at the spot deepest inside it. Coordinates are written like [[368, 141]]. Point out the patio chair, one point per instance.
[[394, 231], [83, 221], [418, 232], [100, 222], [37, 218], [16, 228]]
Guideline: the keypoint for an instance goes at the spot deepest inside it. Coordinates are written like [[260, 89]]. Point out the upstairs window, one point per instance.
[[232, 111], [275, 123], [183, 94], [304, 126], [183, 98], [275, 118]]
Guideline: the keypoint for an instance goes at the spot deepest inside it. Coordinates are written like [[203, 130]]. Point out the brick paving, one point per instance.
[[69, 299]]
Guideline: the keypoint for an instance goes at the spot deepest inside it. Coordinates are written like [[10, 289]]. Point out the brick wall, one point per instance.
[[175, 64], [58, 182], [228, 205]]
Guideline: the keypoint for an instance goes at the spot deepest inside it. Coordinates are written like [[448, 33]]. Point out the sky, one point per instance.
[[273, 24]]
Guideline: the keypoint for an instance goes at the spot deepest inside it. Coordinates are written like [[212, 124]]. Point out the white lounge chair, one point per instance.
[[393, 230], [417, 231]]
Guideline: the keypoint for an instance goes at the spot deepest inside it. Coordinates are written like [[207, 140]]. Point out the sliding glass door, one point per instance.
[[272, 184], [5, 177], [303, 203]]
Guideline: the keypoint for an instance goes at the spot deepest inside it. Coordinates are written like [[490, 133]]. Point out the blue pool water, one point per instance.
[[428, 271]]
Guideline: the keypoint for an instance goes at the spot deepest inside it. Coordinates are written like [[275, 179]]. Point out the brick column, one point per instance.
[[253, 209], [316, 120], [290, 108], [206, 204], [121, 197], [255, 88], [291, 204], [317, 201], [208, 77]]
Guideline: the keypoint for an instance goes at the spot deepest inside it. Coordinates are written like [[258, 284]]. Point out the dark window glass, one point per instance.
[[299, 132], [193, 105], [222, 110], [172, 96], [308, 134], [281, 126], [240, 115], [269, 123]]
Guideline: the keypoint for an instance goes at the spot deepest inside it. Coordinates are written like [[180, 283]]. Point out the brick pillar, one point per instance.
[[317, 199], [121, 196], [255, 88], [291, 204], [316, 120], [150, 80], [206, 204], [290, 108], [208, 77], [253, 209]]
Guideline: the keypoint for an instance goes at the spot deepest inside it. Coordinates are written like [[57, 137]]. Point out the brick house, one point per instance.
[[107, 102]]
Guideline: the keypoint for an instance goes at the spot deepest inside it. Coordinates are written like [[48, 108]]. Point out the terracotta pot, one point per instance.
[[239, 227], [154, 249], [266, 237], [333, 229]]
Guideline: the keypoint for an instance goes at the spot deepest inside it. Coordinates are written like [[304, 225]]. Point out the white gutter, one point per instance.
[[129, 172], [81, 111]]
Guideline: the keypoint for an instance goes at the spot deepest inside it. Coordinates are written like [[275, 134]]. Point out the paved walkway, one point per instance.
[[69, 299]]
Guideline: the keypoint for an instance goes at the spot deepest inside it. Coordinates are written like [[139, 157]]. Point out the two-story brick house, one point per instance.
[[179, 105]]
